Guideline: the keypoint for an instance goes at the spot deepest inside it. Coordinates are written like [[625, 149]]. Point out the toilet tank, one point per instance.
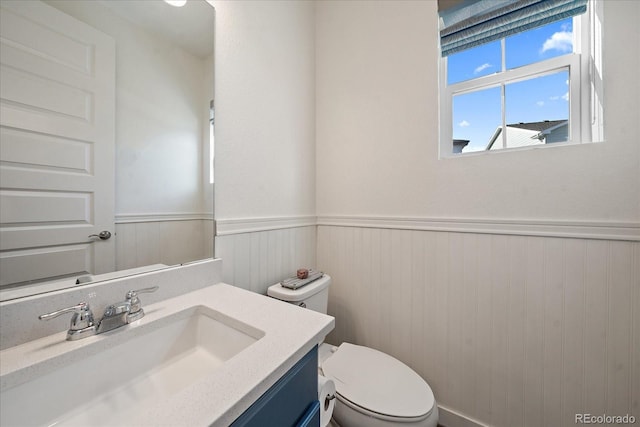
[[313, 296]]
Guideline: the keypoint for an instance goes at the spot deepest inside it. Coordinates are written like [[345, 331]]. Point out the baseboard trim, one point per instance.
[[450, 418], [629, 231], [160, 217], [252, 225]]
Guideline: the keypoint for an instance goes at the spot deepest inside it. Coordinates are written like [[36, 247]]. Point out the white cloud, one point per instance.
[[464, 124], [557, 97], [540, 103], [562, 41], [482, 68]]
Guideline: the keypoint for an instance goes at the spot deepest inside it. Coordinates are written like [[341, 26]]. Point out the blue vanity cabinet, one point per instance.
[[290, 402]]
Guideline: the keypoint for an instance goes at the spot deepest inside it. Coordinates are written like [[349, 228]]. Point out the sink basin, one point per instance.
[[128, 370]]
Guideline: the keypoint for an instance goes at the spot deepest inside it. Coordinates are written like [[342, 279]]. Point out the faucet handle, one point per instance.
[[81, 322], [132, 294], [136, 311]]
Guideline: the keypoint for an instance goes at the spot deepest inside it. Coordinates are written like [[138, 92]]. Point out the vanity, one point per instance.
[[217, 355]]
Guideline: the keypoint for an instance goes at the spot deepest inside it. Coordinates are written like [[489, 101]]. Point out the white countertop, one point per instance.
[[217, 398]]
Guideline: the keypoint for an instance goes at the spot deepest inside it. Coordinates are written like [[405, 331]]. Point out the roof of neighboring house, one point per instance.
[[537, 126], [542, 134], [459, 144], [524, 134]]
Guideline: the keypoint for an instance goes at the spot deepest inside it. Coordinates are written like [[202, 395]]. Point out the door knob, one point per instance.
[[103, 235]]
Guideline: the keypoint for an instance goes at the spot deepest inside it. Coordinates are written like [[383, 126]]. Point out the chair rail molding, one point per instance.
[[605, 230], [602, 230], [159, 217], [252, 225]]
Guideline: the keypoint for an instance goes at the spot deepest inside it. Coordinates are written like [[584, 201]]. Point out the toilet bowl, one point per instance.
[[373, 389]]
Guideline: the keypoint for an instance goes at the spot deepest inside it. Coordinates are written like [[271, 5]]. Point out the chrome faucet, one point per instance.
[[116, 315]]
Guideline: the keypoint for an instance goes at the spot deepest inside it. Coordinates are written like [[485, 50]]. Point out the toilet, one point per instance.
[[373, 389]]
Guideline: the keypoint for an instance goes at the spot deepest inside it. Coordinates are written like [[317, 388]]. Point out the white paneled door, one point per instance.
[[57, 125]]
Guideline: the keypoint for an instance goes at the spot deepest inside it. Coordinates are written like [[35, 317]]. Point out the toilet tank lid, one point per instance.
[[378, 382], [280, 292]]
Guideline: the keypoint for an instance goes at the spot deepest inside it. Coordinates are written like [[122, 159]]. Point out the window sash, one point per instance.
[[570, 62], [515, 75]]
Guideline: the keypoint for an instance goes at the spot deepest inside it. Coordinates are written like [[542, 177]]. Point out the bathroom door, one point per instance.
[[57, 124]]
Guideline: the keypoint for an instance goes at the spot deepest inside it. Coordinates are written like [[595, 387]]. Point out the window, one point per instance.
[[533, 86], [212, 141]]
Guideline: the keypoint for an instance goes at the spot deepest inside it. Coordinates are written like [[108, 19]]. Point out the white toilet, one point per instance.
[[373, 389]]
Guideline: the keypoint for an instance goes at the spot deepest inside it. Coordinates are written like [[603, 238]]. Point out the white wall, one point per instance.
[[256, 260], [265, 138], [159, 143], [510, 281], [142, 243], [377, 128], [508, 330]]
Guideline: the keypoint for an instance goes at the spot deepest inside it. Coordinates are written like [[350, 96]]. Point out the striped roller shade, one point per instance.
[[470, 23]]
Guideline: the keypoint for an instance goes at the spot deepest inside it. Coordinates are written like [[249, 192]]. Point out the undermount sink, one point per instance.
[[127, 371]]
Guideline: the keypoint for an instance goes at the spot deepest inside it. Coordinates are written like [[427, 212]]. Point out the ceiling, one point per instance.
[[190, 26]]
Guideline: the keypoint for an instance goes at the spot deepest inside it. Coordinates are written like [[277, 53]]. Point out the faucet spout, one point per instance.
[[114, 317]]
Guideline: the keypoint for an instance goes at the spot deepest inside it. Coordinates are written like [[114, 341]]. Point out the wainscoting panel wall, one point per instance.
[[257, 260], [170, 242], [508, 330]]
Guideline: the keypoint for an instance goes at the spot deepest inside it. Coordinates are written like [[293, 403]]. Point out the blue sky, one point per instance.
[[477, 115]]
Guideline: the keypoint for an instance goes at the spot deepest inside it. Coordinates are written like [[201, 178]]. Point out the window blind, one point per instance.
[[474, 22]]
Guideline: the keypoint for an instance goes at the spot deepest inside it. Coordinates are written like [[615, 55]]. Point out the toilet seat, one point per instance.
[[366, 413], [377, 384]]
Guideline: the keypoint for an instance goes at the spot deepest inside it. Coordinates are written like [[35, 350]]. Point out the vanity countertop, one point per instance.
[[217, 398]]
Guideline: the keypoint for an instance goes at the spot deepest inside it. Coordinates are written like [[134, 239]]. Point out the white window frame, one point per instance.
[[585, 118]]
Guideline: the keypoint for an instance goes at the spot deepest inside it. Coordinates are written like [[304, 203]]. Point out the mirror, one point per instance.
[[163, 137]]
